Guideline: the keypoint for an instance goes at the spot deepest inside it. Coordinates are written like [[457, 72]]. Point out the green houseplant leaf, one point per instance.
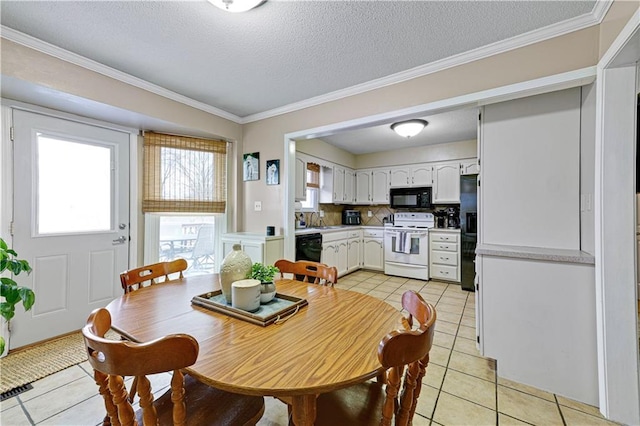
[[264, 273], [10, 292]]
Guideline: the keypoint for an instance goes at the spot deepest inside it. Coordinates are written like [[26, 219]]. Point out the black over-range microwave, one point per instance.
[[410, 198]]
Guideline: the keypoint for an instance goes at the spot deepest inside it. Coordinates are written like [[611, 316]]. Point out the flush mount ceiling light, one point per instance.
[[236, 5], [409, 128]]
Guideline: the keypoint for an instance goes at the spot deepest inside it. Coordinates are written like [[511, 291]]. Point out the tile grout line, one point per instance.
[[25, 411], [446, 367], [555, 397]]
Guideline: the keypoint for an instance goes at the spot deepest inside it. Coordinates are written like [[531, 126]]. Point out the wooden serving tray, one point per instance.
[[281, 308]]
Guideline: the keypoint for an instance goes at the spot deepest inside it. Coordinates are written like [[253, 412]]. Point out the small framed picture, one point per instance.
[[251, 166], [273, 172]]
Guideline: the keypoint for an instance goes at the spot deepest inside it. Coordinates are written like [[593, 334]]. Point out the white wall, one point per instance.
[[421, 154], [543, 316], [587, 168], [530, 181], [320, 149]]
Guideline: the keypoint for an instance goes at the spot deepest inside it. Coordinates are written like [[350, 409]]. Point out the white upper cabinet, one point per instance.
[[363, 187], [380, 182], [469, 167], [372, 186], [342, 185], [349, 186], [400, 176], [301, 178], [338, 184], [446, 183], [422, 175], [412, 175]]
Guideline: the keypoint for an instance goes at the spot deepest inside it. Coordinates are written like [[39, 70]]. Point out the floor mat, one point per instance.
[[33, 363]]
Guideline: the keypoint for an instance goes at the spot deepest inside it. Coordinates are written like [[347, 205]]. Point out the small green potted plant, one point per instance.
[[11, 293], [265, 274]]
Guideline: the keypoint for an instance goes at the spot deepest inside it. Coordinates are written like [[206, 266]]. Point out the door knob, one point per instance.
[[120, 240]]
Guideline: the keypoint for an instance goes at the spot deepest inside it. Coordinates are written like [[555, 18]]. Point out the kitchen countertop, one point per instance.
[[536, 253], [335, 228], [252, 235]]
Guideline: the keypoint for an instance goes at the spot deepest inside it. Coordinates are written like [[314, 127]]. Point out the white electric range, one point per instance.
[[406, 245]]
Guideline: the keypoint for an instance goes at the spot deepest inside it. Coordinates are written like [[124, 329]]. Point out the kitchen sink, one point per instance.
[[326, 227]]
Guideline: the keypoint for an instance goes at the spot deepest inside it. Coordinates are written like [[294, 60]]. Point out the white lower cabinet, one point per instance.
[[444, 255], [373, 249], [342, 249], [354, 251], [260, 248]]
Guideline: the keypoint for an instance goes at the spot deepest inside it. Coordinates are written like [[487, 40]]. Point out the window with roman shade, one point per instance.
[[310, 203], [313, 175], [183, 174]]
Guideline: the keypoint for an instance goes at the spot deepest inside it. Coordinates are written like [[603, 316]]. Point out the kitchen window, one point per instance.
[[184, 200], [310, 204]]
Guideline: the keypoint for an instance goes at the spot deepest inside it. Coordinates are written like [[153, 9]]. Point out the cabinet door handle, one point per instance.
[[412, 179], [444, 258]]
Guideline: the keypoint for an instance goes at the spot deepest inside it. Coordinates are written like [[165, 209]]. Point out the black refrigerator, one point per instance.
[[468, 229]]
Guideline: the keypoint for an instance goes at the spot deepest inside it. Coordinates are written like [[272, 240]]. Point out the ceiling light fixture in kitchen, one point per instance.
[[409, 128], [236, 5]]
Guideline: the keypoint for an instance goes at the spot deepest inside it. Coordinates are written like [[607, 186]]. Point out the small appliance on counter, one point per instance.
[[453, 218], [441, 218], [351, 217]]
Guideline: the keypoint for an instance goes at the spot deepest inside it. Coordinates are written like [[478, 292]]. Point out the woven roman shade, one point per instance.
[[313, 175], [183, 174]]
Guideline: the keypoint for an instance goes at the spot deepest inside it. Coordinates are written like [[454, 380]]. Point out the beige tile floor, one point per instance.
[[460, 388]]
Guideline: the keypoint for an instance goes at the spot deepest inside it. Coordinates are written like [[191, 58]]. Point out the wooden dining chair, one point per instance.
[[134, 279], [187, 402], [308, 271], [400, 352]]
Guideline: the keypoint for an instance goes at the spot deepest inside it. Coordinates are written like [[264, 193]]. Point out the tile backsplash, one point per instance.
[[333, 214]]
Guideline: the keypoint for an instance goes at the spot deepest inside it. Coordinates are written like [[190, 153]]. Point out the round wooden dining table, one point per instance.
[[329, 344]]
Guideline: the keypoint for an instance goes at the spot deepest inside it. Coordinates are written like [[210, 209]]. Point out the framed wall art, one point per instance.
[[251, 166], [273, 172]]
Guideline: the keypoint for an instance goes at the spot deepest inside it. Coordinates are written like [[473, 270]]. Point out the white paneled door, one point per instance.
[[70, 220]]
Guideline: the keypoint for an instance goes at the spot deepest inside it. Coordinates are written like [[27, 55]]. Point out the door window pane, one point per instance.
[[191, 238], [74, 186]]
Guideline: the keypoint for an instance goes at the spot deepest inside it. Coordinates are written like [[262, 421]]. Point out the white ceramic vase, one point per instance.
[[234, 267], [267, 292]]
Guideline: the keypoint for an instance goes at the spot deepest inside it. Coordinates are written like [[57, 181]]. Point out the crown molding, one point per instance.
[[555, 30], [73, 58], [535, 36]]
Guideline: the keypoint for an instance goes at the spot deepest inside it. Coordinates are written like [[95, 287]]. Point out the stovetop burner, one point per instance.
[[414, 220]]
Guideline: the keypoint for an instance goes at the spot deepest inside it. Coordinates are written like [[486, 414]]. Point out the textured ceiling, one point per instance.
[[280, 53]]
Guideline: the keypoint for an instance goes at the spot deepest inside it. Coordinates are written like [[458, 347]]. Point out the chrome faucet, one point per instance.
[[311, 219]]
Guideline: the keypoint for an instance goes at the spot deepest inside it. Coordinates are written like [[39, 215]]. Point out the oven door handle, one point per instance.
[[406, 265]]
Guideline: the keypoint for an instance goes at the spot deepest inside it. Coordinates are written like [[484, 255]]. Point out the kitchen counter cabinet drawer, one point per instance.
[[335, 236], [355, 234], [444, 246], [444, 272], [444, 258], [373, 233], [442, 237]]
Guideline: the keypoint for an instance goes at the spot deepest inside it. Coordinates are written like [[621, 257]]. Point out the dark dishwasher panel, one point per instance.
[[309, 247]]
